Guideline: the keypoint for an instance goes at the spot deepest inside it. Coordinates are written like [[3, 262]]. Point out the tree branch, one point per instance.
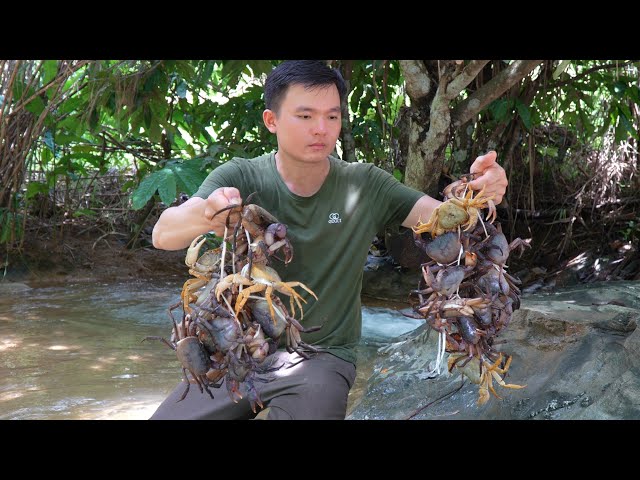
[[587, 72], [416, 78], [467, 76], [492, 90]]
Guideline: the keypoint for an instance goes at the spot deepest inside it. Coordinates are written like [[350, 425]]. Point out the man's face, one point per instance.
[[308, 123]]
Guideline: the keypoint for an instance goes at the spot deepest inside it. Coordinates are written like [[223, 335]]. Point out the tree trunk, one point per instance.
[[426, 127], [346, 137], [425, 150]]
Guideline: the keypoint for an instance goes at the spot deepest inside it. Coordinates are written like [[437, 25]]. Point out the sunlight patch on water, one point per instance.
[[107, 359], [10, 396], [62, 347], [6, 345]]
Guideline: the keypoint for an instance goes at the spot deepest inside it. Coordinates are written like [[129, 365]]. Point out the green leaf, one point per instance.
[[621, 131], [18, 91], [84, 148], [548, 151], [70, 105], [500, 108], [398, 174], [524, 113], [188, 174], [167, 188], [67, 138], [94, 120], [260, 67], [33, 188], [146, 189], [560, 68], [50, 68], [208, 70], [35, 106], [84, 212], [148, 117], [155, 132], [232, 71], [619, 88], [628, 126], [586, 122], [6, 232], [127, 185]]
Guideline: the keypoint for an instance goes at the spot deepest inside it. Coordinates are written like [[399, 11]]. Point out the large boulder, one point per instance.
[[577, 352]]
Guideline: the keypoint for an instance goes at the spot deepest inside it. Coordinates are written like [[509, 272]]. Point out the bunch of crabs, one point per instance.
[[465, 292], [232, 321]]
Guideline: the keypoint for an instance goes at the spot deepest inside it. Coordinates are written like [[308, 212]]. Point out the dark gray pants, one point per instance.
[[314, 389]]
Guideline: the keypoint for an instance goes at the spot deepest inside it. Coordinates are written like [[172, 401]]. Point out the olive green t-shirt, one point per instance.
[[330, 231]]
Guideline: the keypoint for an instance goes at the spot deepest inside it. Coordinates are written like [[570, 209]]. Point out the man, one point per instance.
[[332, 210]]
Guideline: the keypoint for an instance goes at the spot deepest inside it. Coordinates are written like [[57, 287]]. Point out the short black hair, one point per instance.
[[309, 73]]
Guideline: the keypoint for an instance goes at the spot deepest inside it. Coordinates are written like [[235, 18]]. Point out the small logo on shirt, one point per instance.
[[334, 218]]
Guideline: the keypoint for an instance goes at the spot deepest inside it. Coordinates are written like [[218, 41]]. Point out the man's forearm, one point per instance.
[[178, 226]]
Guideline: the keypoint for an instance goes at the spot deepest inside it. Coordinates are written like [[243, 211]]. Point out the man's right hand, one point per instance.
[[218, 199], [178, 226]]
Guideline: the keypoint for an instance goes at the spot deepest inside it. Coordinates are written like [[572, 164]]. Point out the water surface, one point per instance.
[[75, 351]]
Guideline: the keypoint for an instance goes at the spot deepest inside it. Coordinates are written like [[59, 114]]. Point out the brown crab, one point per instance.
[[262, 278], [192, 355], [202, 267], [462, 211], [482, 373]]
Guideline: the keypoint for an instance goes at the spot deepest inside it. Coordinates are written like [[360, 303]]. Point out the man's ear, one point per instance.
[[269, 119]]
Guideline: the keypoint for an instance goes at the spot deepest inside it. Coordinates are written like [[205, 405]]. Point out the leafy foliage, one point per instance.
[[170, 122], [176, 175]]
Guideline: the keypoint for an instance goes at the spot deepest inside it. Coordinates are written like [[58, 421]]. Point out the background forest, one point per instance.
[[92, 151]]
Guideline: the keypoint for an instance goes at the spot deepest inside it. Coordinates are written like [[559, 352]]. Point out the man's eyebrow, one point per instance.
[[309, 109]]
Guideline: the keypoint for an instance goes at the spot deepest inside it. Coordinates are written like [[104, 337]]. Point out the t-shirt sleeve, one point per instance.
[[226, 175], [392, 200]]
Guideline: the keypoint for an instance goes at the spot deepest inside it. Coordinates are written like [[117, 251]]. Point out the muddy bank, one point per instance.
[[78, 258]]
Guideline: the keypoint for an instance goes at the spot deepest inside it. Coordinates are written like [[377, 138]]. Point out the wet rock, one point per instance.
[[384, 280], [11, 288], [577, 351]]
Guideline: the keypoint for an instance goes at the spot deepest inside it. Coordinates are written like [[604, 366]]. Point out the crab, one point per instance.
[[202, 267], [191, 354], [445, 249], [482, 373], [457, 211], [262, 278], [284, 324], [265, 234]]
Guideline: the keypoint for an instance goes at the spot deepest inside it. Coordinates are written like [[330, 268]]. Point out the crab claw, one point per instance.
[[275, 236], [491, 217], [253, 397], [194, 250], [233, 388]]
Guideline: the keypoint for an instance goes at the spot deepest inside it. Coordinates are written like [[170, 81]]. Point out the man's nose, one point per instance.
[[320, 126]]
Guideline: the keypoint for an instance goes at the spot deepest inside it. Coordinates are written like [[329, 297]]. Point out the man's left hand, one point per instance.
[[491, 176]]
